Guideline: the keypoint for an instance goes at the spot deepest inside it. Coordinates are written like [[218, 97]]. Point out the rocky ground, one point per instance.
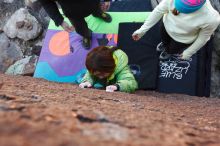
[[34, 112], [23, 25]]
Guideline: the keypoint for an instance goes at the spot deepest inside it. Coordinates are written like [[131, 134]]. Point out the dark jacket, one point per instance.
[[71, 8]]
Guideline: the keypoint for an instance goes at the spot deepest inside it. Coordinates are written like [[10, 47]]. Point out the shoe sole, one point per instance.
[[159, 50], [164, 58]]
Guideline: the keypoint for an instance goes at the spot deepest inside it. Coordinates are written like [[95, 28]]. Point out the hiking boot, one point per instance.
[[160, 47], [164, 55], [106, 17], [86, 42]]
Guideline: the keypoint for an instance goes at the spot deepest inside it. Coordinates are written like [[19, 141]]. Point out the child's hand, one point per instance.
[[111, 88], [135, 37], [85, 85]]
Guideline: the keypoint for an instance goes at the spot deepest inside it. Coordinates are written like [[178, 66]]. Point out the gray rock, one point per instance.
[[216, 41], [216, 4], [28, 2], [215, 77], [36, 9], [22, 25], [36, 49], [107, 131], [10, 53], [7, 9], [8, 1], [25, 66], [4, 41], [33, 4]]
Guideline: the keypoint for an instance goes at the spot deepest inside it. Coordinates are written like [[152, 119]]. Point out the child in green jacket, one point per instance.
[[108, 67]]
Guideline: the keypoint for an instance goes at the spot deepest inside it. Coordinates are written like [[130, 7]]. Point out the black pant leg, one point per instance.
[[97, 12], [165, 38], [177, 47], [81, 27], [172, 46]]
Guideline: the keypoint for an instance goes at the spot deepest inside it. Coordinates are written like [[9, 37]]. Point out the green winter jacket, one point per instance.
[[122, 75]]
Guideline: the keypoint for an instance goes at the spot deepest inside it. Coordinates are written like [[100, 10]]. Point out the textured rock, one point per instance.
[[25, 66], [215, 77], [37, 10], [10, 53], [22, 25], [7, 9], [34, 4], [8, 1], [216, 4], [36, 49]]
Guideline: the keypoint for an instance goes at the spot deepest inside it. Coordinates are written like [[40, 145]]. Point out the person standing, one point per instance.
[[76, 11], [187, 24]]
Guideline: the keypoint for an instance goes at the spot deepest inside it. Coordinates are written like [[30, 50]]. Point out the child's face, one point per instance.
[[101, 75]]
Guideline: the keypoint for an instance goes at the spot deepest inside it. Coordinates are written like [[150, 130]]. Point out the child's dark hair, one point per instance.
[[101, 59], [175, 12]]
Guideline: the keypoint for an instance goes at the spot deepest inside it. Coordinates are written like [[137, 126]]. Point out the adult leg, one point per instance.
[[177, 47], [165, 38], [163, 47], [97, 12], [172, 46], [81, 28]]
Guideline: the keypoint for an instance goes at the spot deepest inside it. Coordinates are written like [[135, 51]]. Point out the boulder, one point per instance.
[[8, 1], [215, 78], [216, 4], [33, 4], [22, 25], [25, 66], [10, 53]]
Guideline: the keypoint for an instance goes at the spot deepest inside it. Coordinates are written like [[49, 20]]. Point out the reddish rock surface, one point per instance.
[[34, 112]]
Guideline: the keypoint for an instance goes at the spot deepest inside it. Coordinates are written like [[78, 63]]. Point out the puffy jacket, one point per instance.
[[122, 74]]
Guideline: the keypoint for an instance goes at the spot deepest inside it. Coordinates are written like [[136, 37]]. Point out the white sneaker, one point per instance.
[[160, 47], [164, 55]]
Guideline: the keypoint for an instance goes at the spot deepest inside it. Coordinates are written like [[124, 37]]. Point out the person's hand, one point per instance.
[[67, 27], [85, 85], [135, 37], [180, 56], [111, 88], [183, 58], [105, 6]]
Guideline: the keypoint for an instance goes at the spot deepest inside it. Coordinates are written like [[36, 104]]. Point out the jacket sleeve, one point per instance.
[[126, 80], [52, 10], [153, 18], [87, 78], [203, 37]]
